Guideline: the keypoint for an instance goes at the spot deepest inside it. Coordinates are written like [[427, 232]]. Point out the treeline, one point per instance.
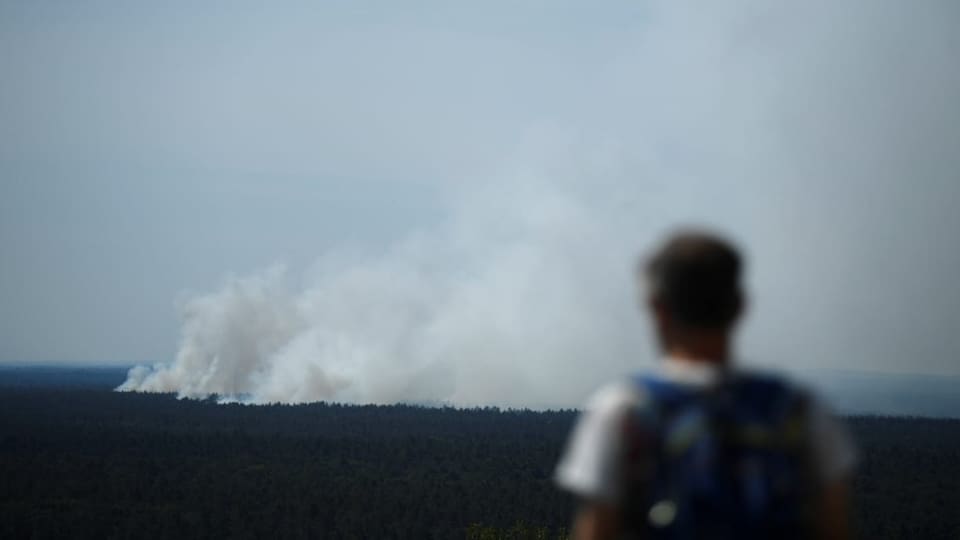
[[89, 463]]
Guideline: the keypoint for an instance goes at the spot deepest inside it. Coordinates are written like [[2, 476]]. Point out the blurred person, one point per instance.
[[698, 448]]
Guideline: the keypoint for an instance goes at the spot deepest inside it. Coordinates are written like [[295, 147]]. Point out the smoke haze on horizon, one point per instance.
[[460, 194]]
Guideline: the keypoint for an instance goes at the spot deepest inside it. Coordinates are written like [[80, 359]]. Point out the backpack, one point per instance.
[[728, 461]]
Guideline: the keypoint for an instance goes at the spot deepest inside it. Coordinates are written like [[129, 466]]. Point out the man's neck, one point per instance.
[[710, 347]]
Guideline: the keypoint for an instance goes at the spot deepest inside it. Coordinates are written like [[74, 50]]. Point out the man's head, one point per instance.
[[693, 286]]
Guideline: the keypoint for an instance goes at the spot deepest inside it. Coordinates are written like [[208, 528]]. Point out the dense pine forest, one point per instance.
[[80, 461]]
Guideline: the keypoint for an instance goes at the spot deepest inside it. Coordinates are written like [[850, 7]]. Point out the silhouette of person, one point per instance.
[[697, 447]]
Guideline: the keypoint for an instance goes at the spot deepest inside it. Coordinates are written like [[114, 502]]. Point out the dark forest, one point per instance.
[[80, 461]]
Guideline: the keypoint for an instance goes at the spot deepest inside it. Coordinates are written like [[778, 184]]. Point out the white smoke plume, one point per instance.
[[767, 121], [481, 312]]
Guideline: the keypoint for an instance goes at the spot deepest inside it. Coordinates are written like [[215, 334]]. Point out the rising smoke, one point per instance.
[[765, 121], [479, 312]]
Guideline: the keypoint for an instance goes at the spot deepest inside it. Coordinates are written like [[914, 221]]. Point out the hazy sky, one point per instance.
[[150, 149]]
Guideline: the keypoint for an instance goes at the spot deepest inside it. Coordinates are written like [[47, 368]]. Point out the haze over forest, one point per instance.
[[435, 203]]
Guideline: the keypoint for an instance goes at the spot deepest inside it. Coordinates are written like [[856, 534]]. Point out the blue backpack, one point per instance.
[[729, 461]]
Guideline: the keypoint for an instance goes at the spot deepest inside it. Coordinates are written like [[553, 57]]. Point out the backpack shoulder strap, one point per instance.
[[763, 392], [675, 413], [663, 394], [768, 409]]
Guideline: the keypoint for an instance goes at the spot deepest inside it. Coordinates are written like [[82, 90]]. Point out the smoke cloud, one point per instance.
[[794, 129], [483, 311]]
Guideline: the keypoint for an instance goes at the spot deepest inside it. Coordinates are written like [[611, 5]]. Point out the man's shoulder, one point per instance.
[[770, 380], [767, 383], [765, 387], [640, 389]]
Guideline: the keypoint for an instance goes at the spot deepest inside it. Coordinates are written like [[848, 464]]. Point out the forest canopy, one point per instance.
[[86, 462]]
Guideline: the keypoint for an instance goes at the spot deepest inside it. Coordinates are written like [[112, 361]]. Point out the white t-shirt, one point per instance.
[[592, 466]]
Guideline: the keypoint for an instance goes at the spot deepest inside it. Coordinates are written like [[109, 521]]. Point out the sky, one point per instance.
[[444, 201]]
